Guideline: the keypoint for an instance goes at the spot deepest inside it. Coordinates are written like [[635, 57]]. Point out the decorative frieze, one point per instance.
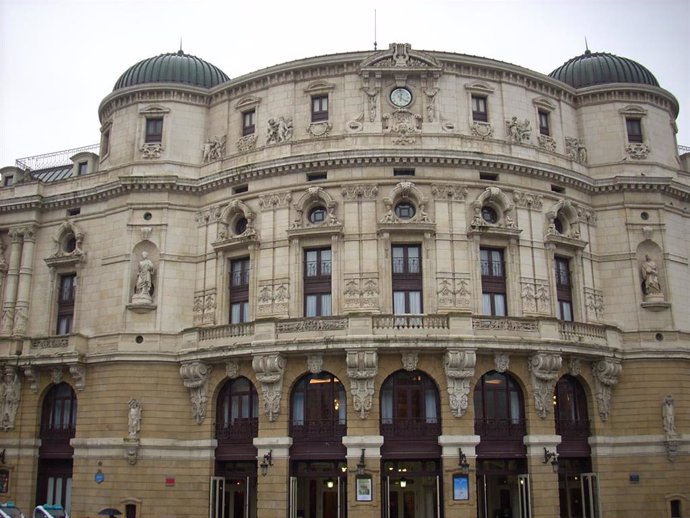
[[535, 296], [303, 325], [50, 342], [576, 150], [546, 142], [359, 192], [637, 151], [544, 369], [362, 367], [269, 369], [195, 376], [594, 304], [448, 192], [246, 143], [606, 373], [361, 293], [454, 292], [459, 368], [504, 324], [528, 201], [275, 201]]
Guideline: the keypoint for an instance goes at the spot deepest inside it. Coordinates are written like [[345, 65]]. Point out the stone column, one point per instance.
[[21, 315], [273, 494], [370, 445], [7, 324], [543, 478], [550, 250], [452, 447]]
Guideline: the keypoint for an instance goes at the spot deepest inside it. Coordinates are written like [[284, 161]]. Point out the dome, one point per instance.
[[176, 67], [598, 68]]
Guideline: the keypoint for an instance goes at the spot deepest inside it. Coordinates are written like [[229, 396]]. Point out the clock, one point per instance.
[[401, 97]]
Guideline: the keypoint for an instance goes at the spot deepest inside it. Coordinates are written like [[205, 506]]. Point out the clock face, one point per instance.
[[401, 97]]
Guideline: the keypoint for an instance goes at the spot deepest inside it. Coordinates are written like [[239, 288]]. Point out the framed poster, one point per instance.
[[461, 487], [364, 489], [4, 481]]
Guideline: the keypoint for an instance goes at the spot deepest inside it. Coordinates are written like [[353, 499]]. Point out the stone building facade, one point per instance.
[[396, 283]]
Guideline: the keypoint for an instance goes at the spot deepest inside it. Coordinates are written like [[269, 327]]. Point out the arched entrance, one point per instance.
[[233, 488], [58, 426], [502, 479], [410, 455], [318, 466], [577, 485]]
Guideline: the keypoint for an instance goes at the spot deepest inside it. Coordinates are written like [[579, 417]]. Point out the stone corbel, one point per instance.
[[195, 376], [362, 367], [459, 367], [78, 373], [606, 373], [544, 368], [269, 370], [32, 374]]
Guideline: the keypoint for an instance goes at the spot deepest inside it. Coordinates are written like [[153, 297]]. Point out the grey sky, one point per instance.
[[60, 58]]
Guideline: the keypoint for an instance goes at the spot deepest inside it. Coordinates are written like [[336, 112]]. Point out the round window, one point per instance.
[[489, 215], [317, 215], [240, 226], [405, 210]]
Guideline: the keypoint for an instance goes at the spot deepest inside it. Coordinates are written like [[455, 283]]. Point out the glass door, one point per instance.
[[232, 497], [217, 498], [524, 496], [411, 497], [590, 495]]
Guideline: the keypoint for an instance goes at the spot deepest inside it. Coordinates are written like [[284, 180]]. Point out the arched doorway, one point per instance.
[[58, 426], [318, 466], [502, 480], [410, 455], [577, 485], [233, 488]]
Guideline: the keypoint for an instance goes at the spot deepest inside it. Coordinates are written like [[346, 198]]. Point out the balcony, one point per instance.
[[245, 329], [581, 332], [410, 429], [319, 430], [239, 431], [406, 322]]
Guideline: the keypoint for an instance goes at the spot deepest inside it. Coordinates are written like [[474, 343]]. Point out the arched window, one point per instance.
[[237, 412], [59, 417], [409, 406], [572, 418], [499, 409], [318, 408]]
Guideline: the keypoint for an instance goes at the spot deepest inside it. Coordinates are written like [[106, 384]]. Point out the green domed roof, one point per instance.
[[175, 67], [598, 68]]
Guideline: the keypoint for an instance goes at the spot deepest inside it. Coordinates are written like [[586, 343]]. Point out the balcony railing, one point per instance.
[[240, 430], [581, 331], [573, 429], [228, 331], [500, 429], [319, 430], [58, 158], [410, 429], [410, 322]]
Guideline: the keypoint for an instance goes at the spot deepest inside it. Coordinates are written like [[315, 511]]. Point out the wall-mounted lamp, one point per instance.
[[462, 461], [268, 461], [552, 458], [403, 483], [361, 465], [330, 483], [2, 456]]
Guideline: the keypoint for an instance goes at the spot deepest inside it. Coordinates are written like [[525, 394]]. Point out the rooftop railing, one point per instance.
[[55, 159]]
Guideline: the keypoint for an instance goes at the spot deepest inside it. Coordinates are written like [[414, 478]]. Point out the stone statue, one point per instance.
[[144, 285], [134, 418], [279, 130], [668, 415], [518, 131], [214, 149], [650, 277], [11, 394]]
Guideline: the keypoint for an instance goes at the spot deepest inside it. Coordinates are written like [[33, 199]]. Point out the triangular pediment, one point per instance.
[[400, 56]]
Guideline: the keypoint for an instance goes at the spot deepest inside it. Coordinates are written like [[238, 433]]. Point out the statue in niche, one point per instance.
[[134, 418], [650, 278], [668, 415], [143, 288], [11, 394]]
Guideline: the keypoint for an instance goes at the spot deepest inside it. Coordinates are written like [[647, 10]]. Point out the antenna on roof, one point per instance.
[[181, 44], [374, 29], [586, 46]]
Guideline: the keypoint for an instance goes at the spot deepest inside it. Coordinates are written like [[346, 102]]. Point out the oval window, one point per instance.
[[405, 210], [489, 215], [240, 226], [317, 215]]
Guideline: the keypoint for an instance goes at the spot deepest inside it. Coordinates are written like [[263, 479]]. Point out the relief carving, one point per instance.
[[269, 370], [10, 395], [535, 296], [403, 125], [528, 201], [544, 369], [409, 360], [151, 150], [594, 303], [459, 367], [448, 192], [501, 362], [275, 201], [606, 373], [637, 151], [576, 150], [519, 132], [481, 129], [546, 142], [195, 376], [279, 130], [213, 149], [362, 367], [361, 293], [315, 363], [359, 192], [78, 373], [319, 129], [246, 143]]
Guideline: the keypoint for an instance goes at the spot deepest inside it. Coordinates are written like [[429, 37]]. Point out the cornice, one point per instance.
[[391, 157]]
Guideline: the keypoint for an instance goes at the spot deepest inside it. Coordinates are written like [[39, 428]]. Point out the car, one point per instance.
[[50, 511], [10, 510]]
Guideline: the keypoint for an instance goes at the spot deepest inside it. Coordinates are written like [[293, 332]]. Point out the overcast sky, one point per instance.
[[60, 58]]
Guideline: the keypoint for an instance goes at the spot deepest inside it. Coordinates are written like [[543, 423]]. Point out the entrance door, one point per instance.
[[503, 496], [318, 497], [55, 483], [230, 497], [590, 495], [412, 497]]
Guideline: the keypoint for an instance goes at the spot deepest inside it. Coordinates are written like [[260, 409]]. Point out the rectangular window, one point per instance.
[[239, 290], [248, 125], [65, 315], [563, 288], [634, 128], [544, 123], [82, 168], [7, 180], [493, 282], [317, 282], [479, 112], [154, 130], [319, 108], [105, 143], [407, 279]]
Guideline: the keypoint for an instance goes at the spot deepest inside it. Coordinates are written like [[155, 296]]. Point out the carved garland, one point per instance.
[[269, 370], [195, 376], [362, 367], [544, 368], [606, 373], [459, 367]]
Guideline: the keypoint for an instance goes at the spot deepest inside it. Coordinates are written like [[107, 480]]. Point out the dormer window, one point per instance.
[[82, 168], [7, 180], [154, 130]]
